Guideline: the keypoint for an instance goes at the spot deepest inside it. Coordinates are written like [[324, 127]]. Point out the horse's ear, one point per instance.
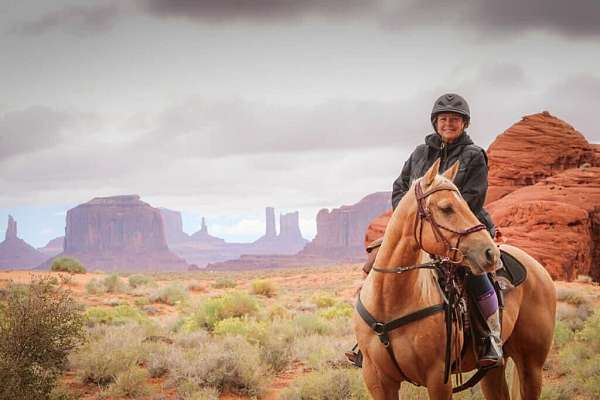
[[451, 172], [432, 173]]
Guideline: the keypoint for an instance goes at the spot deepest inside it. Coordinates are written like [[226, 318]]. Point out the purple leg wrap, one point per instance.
[[488, 304]]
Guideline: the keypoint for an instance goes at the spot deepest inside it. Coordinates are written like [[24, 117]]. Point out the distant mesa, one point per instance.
[[53, 247], [119, 233], [340, 236], [202, 236], [15, 253], [341, 231], [288, 241], [544, 195], [173, 225]]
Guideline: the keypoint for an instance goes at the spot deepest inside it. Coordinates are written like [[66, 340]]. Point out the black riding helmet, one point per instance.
[[451, 102]]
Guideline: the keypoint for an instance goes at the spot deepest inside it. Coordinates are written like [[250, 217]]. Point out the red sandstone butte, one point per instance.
[[533, 149], [557, 221]]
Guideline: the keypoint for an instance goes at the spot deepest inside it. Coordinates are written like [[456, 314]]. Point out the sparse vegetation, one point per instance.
[[335, 384], [224, 283], [68, 264], [139, 280], [40, 324], [263, 287], [230, 305], [322, 300], [170, 295], [118, 315], [114, 284]]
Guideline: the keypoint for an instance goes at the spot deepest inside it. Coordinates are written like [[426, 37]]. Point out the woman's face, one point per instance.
[[449, 126]]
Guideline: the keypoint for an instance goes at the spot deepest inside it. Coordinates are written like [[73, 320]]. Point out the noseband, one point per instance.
[[453, 253]]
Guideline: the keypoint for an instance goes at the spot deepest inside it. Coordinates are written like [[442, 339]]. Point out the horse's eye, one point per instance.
[[445, 207]]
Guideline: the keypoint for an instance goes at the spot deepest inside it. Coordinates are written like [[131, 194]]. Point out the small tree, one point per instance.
[[67, 264], [39, 325]]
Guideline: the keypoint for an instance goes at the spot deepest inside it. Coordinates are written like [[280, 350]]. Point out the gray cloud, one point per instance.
[[32, 129], [503, 75], [573, 18], [260, 10], [199, 128], [74, 19]]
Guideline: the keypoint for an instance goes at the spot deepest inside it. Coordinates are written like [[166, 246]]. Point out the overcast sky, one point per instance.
[[220, 108]]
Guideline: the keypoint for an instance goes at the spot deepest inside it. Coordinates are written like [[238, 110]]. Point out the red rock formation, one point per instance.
[[341, 232], [204, 238], [119, 233], [533, 149], [556, 221], [173, 226], [53, 247], [15, 253]]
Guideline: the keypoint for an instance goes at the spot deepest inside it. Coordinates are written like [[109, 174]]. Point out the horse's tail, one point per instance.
[[515, 392]]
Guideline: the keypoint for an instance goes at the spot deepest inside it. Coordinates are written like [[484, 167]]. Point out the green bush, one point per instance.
[[224, 283], [138, 280], [94, 286], [263, 287], [114, 284], [323, 300], [230, 305], [231, 364], [118, 315], [67, 264], [341, 384], [309, 324], [339, 310], [130, 383], [114, 351], [320, 352], [170, 295], [40, 324]]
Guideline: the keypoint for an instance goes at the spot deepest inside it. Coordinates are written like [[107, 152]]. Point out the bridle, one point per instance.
[[453, 254], [424, 214]]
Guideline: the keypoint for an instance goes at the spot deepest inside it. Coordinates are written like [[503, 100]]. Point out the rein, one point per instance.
[[451, 295]]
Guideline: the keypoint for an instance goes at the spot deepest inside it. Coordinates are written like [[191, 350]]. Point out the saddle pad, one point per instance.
[[512, 269]]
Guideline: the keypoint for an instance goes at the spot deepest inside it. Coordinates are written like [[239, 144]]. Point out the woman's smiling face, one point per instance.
[[449, 126]]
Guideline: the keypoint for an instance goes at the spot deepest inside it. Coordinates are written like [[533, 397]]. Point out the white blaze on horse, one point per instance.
[[416, 351]]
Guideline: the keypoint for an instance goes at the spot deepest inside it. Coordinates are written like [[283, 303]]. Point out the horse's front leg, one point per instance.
[[436, 388], [380, 385]]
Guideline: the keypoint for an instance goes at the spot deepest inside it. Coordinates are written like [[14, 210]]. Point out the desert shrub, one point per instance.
[[130, 383], [158, 360], [114, 284], [584, 279], [277, 311], [562, 334], [234, 304], [40, 324], [94, 286], [67, 264], [580, 359], [138, 280], [339, 310], [336, 384], [263, 287], [170, 295], [196, 287], [555, 392], [574, 316], [118, 315], [191, 392], [224, 283], [115, 350], [230, 364], [309, 324], [319, 352], [570, 296], [189, 340], [322, 300]]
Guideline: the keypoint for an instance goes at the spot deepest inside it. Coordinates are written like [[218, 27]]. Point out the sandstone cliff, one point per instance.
[[53, 247], [15, 253], [173, 226], [119, 233], [341, 231], [533, 149]]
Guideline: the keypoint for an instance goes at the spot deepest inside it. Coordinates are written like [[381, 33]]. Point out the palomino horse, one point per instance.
[[419, 347]]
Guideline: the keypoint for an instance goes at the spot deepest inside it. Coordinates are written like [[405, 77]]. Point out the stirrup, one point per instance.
[[355, 357]]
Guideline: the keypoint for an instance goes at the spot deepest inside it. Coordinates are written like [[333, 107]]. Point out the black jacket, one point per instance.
[[471, 179]]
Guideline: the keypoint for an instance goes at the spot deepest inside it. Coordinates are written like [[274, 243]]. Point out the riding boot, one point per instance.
[[485, 321], [490, 351]]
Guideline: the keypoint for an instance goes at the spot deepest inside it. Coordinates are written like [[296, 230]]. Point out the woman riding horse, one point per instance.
[[450, 143]]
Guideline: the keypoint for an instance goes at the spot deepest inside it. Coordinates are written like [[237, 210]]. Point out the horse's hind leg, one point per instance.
[[494, 386]]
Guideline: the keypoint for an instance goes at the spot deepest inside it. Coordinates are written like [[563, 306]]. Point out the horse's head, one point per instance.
[[445, 225]]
